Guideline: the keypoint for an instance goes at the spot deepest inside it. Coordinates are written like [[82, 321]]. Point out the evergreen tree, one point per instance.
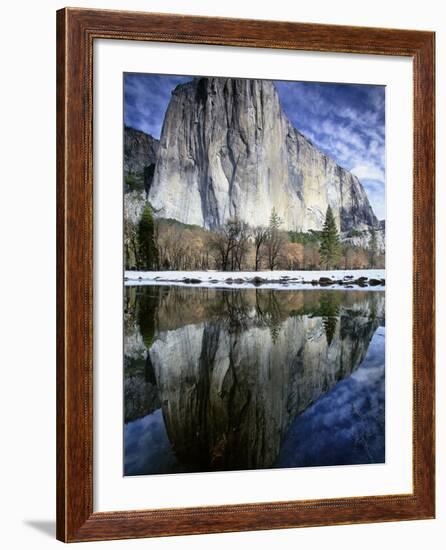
[[330, 247], [148, 252], [275, 221]]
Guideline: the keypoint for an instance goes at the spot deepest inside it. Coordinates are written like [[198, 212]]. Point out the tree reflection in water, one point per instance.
[[230, 370], [329, 310]]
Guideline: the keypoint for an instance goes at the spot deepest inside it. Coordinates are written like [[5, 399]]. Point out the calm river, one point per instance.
[[242, 379]]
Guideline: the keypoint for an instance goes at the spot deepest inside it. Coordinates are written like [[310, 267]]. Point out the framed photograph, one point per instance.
[[245, 275]]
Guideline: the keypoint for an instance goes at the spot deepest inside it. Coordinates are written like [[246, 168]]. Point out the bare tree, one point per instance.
[[242, 236], [349, 256], [260, 236], [291, 256], [222, 243], [373, 248], [311, 256], [230, 244], [275, 240]]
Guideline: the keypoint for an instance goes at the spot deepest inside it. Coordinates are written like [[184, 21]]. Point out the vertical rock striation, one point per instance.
[[228, 150]]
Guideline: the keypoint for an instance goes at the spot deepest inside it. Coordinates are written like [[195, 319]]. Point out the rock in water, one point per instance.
[[228, 150]]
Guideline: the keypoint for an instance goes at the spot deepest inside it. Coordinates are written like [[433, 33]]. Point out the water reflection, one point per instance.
[[220, 379], [346, 425]]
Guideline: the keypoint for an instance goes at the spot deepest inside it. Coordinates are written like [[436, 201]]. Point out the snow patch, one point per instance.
[[283, 280]]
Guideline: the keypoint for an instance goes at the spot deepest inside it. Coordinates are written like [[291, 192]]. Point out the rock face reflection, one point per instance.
[[231, 370]]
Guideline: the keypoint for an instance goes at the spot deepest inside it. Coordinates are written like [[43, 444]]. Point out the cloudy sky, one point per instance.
[[345, 121]]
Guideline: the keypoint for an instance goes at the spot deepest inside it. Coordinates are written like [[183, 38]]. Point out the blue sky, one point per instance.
[[345, 121]]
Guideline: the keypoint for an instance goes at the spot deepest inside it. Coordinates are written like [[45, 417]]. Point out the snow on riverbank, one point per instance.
[[371, 279]]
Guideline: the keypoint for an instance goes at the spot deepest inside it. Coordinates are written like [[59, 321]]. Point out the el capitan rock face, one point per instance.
[[228, 150]]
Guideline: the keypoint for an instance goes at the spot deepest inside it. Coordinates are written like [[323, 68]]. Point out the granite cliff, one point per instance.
[[139, 151], [139, 166], [228, 150]]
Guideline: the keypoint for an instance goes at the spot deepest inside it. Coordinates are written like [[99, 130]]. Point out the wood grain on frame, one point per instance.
[[76, 31]]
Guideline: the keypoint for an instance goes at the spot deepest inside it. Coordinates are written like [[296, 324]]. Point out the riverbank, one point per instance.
[[372, 279]]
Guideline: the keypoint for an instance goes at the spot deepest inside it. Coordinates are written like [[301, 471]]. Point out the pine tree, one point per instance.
[[330, 247], [275, 221], [148, 252]]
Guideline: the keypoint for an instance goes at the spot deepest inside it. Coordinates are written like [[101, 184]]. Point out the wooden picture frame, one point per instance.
[[76, 31]]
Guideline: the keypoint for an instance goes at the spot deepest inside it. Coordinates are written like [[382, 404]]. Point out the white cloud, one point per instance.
[[368, 172]]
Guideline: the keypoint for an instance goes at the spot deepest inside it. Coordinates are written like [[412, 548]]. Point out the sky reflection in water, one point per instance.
[[346, 425], [252, 379]]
